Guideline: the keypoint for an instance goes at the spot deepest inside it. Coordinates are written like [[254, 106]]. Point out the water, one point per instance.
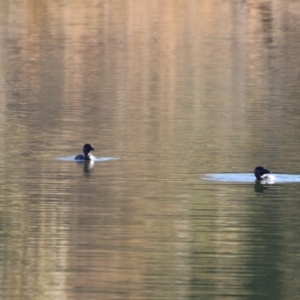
[[167, 93]]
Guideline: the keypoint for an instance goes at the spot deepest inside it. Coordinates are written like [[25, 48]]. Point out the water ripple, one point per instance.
[[98, 159], [249, 178]]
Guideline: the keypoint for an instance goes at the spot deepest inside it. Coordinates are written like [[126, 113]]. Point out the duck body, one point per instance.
[[263, 174], [87, 148]]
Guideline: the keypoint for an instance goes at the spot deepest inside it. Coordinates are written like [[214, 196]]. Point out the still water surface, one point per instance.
[[171, 91]]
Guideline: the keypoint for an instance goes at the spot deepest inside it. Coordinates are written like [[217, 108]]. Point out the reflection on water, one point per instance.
[[173, 91], [87, 165], [260, 187]]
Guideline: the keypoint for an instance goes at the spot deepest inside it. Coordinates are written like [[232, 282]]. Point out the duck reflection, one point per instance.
[[88, 165], [259, 187]]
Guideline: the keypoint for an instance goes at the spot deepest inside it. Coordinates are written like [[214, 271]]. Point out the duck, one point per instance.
[[87, 148], [262, 174]]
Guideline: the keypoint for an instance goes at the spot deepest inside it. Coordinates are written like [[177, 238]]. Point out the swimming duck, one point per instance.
[[86, 153], [261, 173]]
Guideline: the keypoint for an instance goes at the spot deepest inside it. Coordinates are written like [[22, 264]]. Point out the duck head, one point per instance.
[[87, 148], [260, 172]]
